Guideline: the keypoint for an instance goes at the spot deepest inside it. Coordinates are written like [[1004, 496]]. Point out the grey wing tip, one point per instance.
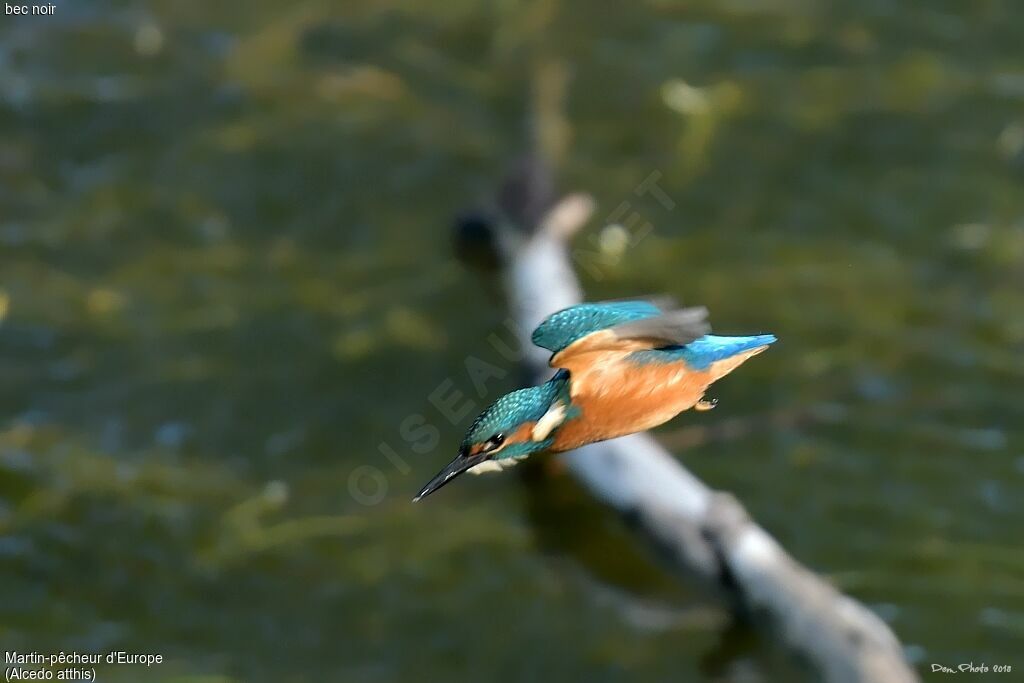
[[664, 302], [694, 318], [696, 312], [679, 326]]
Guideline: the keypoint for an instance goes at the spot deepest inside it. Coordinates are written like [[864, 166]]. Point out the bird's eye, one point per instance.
[[494, 442]]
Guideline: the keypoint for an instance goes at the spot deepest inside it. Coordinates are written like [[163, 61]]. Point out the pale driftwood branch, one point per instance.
[[705, 534]]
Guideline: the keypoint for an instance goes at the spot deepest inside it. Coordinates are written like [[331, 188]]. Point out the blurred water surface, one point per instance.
[[226, 279]]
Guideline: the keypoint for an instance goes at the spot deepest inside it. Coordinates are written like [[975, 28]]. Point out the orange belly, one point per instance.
[[621, 398]]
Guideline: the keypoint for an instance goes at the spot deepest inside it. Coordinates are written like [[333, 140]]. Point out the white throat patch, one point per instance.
[[495, 465], [485, 467]]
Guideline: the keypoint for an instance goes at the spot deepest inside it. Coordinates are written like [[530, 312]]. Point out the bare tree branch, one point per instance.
[[707, 535]]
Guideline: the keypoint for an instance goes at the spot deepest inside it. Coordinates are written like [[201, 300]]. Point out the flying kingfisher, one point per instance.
[[623, 367]]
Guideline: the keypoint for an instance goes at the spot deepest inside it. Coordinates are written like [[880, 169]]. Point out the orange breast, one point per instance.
[[631, 400], [617, 397]]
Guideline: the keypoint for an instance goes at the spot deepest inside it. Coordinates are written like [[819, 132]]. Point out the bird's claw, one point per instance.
[[706, 404]]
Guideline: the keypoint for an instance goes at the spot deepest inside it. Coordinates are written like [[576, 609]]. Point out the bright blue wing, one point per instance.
[[561, 329], [612, 325]]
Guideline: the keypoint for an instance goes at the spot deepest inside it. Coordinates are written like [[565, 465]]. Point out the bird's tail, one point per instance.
[[722, 355]]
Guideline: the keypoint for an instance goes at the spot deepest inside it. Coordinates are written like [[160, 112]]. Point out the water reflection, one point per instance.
[[226, 278]]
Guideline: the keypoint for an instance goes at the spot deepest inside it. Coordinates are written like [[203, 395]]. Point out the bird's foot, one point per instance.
[[706, 404]]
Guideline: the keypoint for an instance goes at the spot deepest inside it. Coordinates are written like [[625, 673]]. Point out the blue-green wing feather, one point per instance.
[[563, 328], [682, 331]]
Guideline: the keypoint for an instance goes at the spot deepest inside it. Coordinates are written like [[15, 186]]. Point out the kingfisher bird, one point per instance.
[[622, 367]]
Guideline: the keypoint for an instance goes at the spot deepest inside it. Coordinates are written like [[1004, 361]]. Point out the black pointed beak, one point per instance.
[[460, 464]]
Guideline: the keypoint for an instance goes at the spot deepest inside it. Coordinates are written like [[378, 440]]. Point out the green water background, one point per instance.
[[226, 278]]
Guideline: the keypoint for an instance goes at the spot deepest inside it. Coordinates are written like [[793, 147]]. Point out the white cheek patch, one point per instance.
[[551, 419]]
